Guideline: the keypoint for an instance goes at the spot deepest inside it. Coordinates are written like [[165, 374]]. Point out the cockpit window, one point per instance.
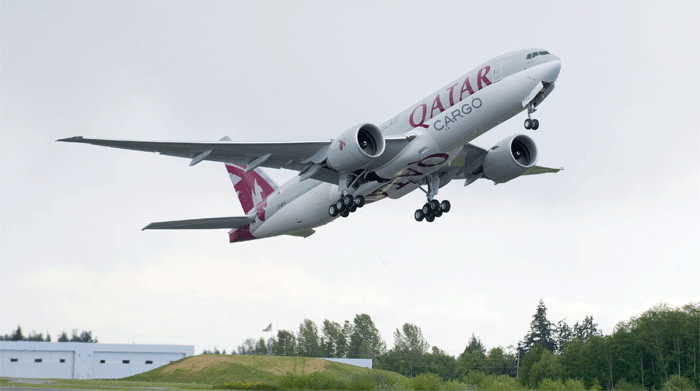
[[535, 54]]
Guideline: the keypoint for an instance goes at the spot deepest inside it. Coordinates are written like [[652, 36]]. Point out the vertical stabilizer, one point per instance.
[[251, 187]]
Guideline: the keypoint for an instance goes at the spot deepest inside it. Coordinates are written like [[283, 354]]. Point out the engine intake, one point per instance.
[[510, 158], [355, 148]]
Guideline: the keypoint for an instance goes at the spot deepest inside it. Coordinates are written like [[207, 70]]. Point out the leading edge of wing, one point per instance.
[[291, 155], [208, 223]]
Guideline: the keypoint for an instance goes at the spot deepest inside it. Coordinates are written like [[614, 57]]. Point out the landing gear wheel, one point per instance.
[[353, 208], [434, 205], [332, 210], [535, 124], [528, 123], [418, 215], [445, 206], [360, 201], [345, 213], [339, 205], [426, 210], [438, 213], [430, 218], [347, 200]]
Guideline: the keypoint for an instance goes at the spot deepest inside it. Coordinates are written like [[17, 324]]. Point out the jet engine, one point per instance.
[[510, 158], [355, 148]]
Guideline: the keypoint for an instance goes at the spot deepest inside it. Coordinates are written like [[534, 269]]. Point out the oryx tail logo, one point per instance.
[[341, 143], [252, 188]]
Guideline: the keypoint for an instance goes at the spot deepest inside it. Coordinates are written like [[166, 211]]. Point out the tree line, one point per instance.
[[659, 347], [17, 335]]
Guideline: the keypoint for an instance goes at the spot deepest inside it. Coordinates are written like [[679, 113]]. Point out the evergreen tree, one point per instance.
[[34, 337], [17, 335], [541, 331], [63, 337], [586, 329], [473, 358], [563, 334]]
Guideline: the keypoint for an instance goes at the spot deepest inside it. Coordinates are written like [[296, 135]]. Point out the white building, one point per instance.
[[75, 360]]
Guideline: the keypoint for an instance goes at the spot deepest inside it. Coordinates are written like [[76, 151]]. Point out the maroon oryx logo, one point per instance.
[[342, 144]]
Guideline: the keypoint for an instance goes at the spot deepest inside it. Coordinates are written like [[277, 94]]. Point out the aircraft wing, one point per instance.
[[208, 223], [469, 163], [298, 156], [292, 155]]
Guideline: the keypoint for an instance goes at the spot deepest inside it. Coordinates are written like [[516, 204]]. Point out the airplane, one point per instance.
[[424, 147]]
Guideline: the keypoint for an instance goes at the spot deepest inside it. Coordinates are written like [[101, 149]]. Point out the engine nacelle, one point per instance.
[[510, 158], [355, 148]]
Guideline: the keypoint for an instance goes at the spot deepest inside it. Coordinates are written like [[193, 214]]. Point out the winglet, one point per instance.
[[73, 139]]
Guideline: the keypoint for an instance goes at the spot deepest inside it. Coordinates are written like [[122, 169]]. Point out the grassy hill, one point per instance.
[[217, 369]]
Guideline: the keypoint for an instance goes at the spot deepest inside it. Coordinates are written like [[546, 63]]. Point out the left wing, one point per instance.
[[468, 165]]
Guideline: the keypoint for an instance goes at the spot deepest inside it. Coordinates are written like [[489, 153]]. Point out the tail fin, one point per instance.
[[251, 187]]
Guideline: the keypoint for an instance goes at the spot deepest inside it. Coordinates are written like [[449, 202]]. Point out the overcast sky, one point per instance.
[[615, 233]]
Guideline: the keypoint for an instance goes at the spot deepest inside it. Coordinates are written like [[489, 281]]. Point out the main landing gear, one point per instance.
[[433, 208], [346, 205], [531, 123]]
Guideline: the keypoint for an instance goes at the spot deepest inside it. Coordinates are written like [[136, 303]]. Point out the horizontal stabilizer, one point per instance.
[[302, 233], [211, 223]]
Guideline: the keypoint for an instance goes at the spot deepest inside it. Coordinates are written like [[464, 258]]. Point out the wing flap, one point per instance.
[[541, 170], [208, 223]]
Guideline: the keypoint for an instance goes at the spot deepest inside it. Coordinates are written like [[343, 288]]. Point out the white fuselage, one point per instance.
[[442, 124]]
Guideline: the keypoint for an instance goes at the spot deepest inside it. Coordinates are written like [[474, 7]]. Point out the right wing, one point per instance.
[[305, 156], [209, 223], [292, 155]]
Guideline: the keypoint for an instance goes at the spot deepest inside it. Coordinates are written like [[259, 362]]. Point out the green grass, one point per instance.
[[203, 372], [111, 385], [217, 369]]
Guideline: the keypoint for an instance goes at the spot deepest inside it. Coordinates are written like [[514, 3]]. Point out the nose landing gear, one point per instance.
[[529, 122]]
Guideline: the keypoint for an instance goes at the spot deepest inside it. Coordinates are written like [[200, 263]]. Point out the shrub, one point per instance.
[[313, 381], [551, 385], [474, 377], [362, 383], [453, 385], [246, 385], [596, 386], [622, 385], [426, 382], [500, 383], [678, 383]]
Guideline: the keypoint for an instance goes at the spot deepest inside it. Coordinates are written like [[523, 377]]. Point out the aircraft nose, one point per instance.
[[553, 68]]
